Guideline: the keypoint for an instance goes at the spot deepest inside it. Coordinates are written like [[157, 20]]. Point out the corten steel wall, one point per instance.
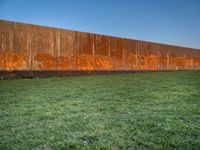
[[27, 49]]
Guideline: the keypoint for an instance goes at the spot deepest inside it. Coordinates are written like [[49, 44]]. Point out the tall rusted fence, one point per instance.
[[30, 50]]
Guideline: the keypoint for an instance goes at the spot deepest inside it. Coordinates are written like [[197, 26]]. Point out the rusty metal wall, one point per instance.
[[26, 47]]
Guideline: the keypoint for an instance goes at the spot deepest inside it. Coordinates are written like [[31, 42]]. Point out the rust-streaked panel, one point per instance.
[[37, 48]]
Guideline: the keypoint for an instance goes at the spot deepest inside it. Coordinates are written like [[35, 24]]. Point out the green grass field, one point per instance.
[[126, 111]]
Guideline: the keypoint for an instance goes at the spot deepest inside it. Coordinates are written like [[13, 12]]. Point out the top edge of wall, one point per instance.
[[123, 38]]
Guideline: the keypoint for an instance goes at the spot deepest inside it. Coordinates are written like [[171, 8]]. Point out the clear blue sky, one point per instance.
[[174, 22]]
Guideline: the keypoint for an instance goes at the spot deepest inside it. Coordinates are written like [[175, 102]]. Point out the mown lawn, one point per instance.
[[127, 111]]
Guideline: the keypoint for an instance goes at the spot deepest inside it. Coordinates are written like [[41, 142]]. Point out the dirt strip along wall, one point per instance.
[[26, 47]]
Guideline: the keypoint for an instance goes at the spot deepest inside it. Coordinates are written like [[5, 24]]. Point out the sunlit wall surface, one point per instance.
[[26, 47]]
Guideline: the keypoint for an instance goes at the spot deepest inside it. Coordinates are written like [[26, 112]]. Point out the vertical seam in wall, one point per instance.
[[176, 60], [167, 60], [158, 53], [192, 63], [2, 51], [123, 52], [53, 49], [93, 51], [136, 55], [109, 46], [184, 62], [4, 59], [31, 54]]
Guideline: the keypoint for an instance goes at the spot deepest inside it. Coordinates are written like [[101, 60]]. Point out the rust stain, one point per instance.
[[180, 62], [48, 62], [188, 63], [152, 62], [13, 61], [83, 62], [132, 61], [103, 62], [142, 62], [62, 63], [172, 62], [88, 62], [44, 61], [162, 62], [197, 63]]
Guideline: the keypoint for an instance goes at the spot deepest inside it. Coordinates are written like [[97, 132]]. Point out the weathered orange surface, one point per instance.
[[12, 61], [32, 47]]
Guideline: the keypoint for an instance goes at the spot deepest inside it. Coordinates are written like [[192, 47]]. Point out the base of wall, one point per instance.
[[43, 74]]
